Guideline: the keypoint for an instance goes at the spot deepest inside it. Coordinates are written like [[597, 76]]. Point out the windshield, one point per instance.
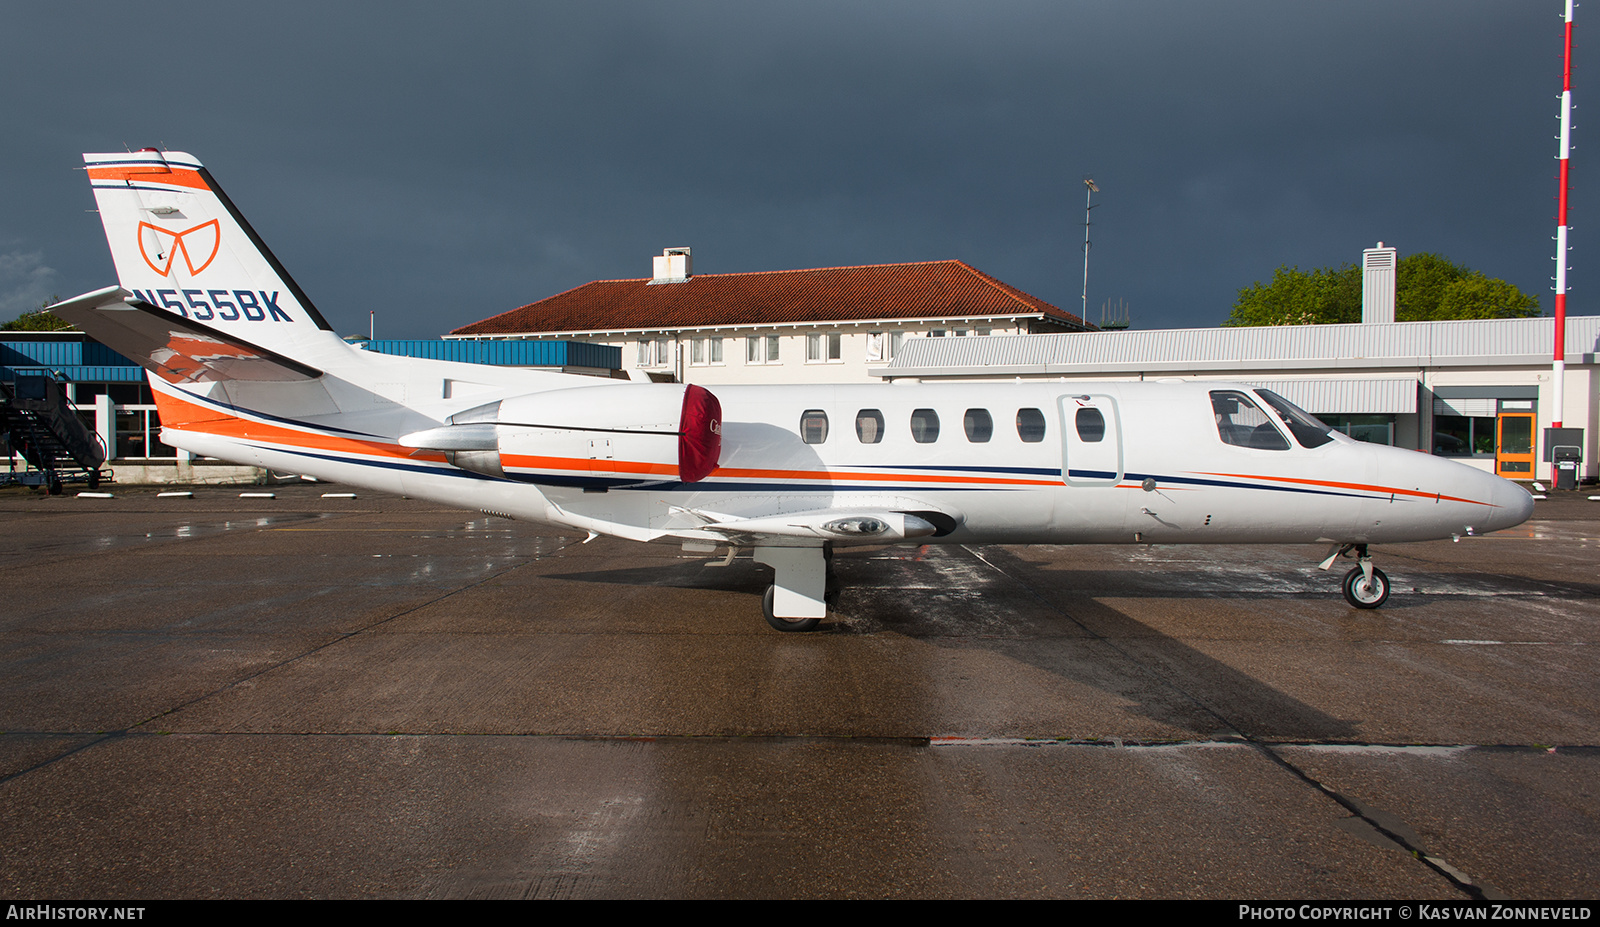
[[1306, 428], [1241, 422]]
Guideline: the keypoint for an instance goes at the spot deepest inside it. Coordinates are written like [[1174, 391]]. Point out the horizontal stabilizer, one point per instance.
[[174, 348]]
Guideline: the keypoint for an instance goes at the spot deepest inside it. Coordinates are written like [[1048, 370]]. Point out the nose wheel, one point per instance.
[[1363, 591], [1365, 586]]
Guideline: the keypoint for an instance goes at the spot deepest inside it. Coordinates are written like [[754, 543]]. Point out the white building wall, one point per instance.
[[792, 365]]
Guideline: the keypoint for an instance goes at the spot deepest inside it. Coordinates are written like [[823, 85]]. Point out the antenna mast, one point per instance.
[[1559, 368], [1090, 191]]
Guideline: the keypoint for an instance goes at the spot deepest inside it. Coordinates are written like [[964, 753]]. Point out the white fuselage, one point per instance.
[[1161, 471]]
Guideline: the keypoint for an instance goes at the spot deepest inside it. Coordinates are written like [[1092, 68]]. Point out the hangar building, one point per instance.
[[1464, 389]]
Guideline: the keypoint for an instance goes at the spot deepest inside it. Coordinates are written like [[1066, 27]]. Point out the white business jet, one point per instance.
[[244, 368]]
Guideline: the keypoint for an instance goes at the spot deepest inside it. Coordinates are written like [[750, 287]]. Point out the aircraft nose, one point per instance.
[[1513, 505]]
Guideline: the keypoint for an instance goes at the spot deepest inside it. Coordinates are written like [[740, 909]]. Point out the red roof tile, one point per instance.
[[930, 289]]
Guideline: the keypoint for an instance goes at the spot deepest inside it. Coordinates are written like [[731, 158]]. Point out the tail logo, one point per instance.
[[198, 246]]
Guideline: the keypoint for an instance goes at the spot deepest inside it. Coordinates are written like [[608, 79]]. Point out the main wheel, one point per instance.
[[1360, 593], [784, 624]]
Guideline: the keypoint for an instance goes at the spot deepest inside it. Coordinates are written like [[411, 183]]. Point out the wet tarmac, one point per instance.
[[219, 697]]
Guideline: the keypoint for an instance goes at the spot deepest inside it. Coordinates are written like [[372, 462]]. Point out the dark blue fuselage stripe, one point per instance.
[[595, 482]]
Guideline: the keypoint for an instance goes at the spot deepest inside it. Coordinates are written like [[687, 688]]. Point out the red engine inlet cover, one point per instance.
[[699, 435]]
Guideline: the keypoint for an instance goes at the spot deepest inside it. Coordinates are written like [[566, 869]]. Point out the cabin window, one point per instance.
[[925, 426], [1030, 425], [1091, 425], [1305, 427], [979, 425], [1241, 422], [869, 426], [813, 426]]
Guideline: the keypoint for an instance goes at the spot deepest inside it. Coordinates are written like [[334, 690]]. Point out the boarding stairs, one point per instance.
[[38, 424]]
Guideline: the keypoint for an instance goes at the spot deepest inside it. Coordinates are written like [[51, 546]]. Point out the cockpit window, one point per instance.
[[1305, 427], [814, 426], [1241, 422]]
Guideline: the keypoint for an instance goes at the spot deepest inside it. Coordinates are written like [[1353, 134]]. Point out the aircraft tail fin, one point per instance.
[[180, 244]]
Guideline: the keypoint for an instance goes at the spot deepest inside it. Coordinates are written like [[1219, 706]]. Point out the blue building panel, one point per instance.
[[83, 361], [77, 373], [520, 353], [73, 358], [41, 353]]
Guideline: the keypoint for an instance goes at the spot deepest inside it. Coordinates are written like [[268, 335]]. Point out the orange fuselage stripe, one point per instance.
[[1364, 487]]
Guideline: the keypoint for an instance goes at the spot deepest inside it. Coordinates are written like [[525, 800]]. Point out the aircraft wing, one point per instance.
[[177, 349], [843, 525]]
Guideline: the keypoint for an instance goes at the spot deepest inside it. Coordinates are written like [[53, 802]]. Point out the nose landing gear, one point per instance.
[[1365, 586]]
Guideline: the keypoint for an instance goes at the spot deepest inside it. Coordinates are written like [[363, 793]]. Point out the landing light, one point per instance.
[[859, 526]]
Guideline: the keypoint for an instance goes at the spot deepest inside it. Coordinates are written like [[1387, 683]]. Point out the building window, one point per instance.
[[1463, 436], [824, 349], [655, 352], [138, 431], [883, 346], [705, 351], [761, 349], [1373, 429]]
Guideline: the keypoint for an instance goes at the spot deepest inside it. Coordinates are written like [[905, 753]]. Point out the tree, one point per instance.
[[39, 320], [1295, 297], [1428, 287]]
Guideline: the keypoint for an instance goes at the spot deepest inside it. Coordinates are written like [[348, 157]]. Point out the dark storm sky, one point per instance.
[[442, 163]]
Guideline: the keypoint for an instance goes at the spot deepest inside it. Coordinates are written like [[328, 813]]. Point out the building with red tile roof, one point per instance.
[[818, 325]]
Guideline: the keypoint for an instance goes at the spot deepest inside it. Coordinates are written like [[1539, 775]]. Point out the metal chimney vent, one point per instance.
[[1377, 284], [675, 265]]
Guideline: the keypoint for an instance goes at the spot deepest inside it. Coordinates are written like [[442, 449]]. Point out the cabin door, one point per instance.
[[1091, 444]]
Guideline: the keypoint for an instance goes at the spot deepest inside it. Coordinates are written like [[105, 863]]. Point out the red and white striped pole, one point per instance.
[[1559, 372]]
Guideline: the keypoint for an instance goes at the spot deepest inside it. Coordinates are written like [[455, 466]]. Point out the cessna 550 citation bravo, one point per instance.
[[244, 368]]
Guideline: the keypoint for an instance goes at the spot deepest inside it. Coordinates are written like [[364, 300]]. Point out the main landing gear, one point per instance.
[[794, 601], [1365, 586]]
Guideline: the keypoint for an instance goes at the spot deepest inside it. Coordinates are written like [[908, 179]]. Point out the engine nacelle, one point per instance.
[[590, 436]]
